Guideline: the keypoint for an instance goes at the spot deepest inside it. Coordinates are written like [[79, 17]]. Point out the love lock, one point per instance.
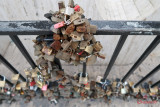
[[83, 80]]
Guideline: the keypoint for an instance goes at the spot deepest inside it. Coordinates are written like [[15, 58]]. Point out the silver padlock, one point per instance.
[[83, 80], [79, 21], [65, 45], [69, 11], [89, 49], [83, 44], [77, 36]]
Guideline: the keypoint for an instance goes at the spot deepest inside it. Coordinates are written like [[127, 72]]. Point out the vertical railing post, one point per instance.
[[115, 54], [10, 67], [23, 50], [150, 48]]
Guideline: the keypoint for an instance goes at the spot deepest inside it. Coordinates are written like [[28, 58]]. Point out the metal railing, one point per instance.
[[123, 28]]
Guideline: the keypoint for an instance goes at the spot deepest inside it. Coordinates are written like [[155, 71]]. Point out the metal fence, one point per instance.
[[123, 28]]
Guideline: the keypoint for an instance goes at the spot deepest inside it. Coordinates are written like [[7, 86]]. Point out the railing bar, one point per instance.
[[10, 67], [23, 50], [155, 84], [84, 69], [150, 48], [115, 54], [7, 81], [156, 69]]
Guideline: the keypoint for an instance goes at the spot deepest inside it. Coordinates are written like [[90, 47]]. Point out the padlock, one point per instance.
[[69, 11], [91, 60], [70, 29], [97, 46], [74, 17], [57, 31], [15, 78], [65, 45], [56, 37], [81, 28], [46, 50], [59, 25], [55, 19], [56, 45], [63, 56], [49, 57], [71, 3], [83, 44], [44, 87], [61, 5], [93, 29], [87, 37], [2, 83], [89, 49], [83, 80], [79, 21], [74, 45], [76, 36]]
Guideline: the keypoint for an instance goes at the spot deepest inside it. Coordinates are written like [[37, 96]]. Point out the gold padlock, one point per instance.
[[83, 44], [89, 49], [91, 60]]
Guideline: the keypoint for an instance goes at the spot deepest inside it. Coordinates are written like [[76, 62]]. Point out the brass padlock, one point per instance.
[[93, 29], [70, 29], [69, 11], [81, 28], [79, 21], [49, 57], [87, 37], [97, 46], [89, 49], [47, 50], [74, 17], [15, 78], [83, 80], [91, 60], [76, 36], [65, 45], [56, 37], [74, 45], [56, 45], [83, 44]]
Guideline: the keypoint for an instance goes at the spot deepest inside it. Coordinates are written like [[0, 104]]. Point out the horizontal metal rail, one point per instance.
[[104, 27]]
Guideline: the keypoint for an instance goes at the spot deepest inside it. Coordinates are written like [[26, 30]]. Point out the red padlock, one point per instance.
[[32, 83], [59, 25], [77, 8]]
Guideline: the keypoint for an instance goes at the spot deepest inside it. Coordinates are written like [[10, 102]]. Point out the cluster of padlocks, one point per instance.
[[72, 41]]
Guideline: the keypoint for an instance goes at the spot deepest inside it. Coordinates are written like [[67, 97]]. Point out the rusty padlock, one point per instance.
[[83, 44], [56, 45], [76, 36], [74, 17], [91, 60], [70, 29], [81, 28], [56, 37], [47, 50], [79, 21], [89, 49], [97, 46]]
